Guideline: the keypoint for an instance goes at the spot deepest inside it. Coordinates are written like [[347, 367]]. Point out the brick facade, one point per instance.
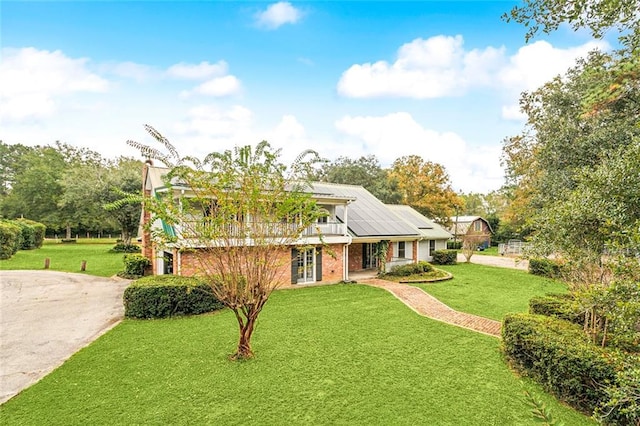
[[332, 267], [355, 256]]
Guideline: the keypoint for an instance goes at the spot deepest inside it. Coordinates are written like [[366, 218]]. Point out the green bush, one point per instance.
[[10, 239], [32, 233], [135, 264], [544, 268], [444, 257], [163, 296], [454, 245], [125, 248], [560, 356], [410, 269], [562, 306]]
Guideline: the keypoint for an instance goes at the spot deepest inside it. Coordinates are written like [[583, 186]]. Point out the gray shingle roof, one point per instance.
[[367, 216]]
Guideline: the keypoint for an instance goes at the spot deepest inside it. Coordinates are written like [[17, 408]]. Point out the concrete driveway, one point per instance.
[[499, 261], [47, 316]]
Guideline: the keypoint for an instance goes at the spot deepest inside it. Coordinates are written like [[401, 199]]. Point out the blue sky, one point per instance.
[[346, 78]]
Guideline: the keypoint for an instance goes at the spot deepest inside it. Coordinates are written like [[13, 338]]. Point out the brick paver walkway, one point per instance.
[[428, 306]]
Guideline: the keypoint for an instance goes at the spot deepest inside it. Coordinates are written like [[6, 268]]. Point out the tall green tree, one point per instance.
[[36, 188], [124, 177], [365, 171]]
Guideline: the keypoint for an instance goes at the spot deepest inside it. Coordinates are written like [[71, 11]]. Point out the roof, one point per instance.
[[428, 229], [465, 219], [367, 216], [460, 224]]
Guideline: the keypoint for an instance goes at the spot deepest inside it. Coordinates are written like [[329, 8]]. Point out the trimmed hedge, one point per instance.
[[10, 239], [544, 268], [444, 257], [32, 233], [410, 269], [163, 296], [561, 306], [454, 245], [135, 264], [125, 248], [559, 355]]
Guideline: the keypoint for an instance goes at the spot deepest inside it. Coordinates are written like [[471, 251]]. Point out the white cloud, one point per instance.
[[132, 70], [278, 14], [512, 112], [440, 66], [436, 67], [198, 71], [210, 120], [218, 87], [536, 63], [33, 80], [394, 135]]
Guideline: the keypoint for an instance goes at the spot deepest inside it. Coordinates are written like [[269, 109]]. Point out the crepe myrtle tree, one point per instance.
[[239, 210]]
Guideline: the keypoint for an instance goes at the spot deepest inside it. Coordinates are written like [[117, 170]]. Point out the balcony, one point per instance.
[[200, 228]]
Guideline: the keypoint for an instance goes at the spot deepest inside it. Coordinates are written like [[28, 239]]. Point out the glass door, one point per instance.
[[306, 265]]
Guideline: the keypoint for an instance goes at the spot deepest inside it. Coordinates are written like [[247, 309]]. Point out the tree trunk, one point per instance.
[[246, 331], [126, 237], [68, 231]]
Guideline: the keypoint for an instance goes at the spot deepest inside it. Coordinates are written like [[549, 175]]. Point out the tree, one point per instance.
[[124, 177], [10, 165], [425, 186], [577, 163], [243, 207], [365, 171], [36, 187], [470, 244]]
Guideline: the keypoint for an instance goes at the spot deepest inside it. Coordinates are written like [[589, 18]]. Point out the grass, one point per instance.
[[343, 354], [489, 251], [489, 291], [68, 258]]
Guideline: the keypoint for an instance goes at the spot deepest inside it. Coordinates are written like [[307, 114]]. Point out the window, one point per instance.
[[432, 246], [477, 226], [401, 249]]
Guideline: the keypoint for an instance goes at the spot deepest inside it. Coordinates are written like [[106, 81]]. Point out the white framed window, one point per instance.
[[477, 226], [401, 249]]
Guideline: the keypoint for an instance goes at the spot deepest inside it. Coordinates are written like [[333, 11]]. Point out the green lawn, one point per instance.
[[489, 291], [343, 354], [68, 258], [490, 251]]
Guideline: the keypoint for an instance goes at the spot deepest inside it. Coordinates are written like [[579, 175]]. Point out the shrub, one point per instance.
[[125, 248], [559, 355], [562, 306], [544, 268], [445, 257], [32, 233], [454, 245], [410, 269], [163, 296], [10, 239], [135, 264]]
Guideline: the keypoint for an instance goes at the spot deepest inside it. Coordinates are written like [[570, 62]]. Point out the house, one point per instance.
[[462, 226], [358, 232], [433, 236]]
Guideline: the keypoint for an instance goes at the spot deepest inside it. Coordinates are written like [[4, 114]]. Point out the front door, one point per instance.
[[369, 259]]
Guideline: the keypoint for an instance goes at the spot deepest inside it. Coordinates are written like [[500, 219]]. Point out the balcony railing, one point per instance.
[[202, 228]]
